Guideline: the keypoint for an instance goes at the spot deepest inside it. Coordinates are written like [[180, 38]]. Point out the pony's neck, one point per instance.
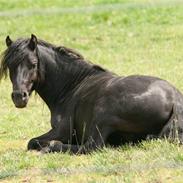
[[61, 75]]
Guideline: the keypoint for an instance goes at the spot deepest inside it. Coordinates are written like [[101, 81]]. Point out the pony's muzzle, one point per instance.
[[20, 98]]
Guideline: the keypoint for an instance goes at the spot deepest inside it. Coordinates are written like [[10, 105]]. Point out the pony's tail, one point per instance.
[[173, 130]]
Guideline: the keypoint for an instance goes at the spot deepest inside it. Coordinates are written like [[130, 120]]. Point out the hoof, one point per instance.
[[52, 147], [54, 143]]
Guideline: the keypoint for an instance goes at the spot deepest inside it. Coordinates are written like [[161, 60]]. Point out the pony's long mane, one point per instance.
[[15, 54], [62, 50]]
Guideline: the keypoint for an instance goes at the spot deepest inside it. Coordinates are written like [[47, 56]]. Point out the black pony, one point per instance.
[[90, 106]]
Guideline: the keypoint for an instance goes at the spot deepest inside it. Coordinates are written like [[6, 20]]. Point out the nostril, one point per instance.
[[24, 94]]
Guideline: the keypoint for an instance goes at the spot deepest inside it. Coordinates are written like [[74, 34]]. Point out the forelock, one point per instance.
[[13, 56], [16, 53]]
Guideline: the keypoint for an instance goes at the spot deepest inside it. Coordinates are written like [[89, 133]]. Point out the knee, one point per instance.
[[34, 144]]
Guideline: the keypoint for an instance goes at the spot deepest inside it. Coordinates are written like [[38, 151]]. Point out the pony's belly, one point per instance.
[[136, 126], [145, 118]]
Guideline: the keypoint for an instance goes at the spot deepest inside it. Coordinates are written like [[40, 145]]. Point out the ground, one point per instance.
[[126, 37]]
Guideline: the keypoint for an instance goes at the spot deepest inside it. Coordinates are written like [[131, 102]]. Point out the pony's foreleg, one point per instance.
[[57, 146], [96, 141], [38, 143]]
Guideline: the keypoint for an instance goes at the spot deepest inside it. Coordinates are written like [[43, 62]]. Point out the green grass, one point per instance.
[[138, 38]]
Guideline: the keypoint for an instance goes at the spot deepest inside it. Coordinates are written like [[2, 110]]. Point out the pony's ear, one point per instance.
[[33, 42], [8, 41]]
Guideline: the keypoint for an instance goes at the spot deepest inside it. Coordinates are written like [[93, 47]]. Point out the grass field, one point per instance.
[[126, 37]]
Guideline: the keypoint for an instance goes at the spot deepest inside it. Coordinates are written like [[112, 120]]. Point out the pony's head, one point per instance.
[[21, 59]]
